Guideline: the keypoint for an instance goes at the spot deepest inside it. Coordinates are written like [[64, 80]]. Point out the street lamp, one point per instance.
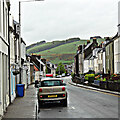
[[20, 32]]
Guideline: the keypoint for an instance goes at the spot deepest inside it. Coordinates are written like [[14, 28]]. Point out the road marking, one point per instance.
[[46, 109], [73, 108], [97, 91], [69, 108]]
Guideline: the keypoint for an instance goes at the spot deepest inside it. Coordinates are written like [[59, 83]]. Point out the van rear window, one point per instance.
[[48, 83]]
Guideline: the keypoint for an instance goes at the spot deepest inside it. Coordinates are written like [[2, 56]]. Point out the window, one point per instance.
[[0, 79], [3, 20], [6, 24], [0, 17], [108, 50], [51, 83]]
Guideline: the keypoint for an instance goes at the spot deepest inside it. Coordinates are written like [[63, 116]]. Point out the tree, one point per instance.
[[60, 69], [46, 69]]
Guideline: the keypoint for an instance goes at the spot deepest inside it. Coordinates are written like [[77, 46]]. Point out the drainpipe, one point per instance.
[[9, 56]]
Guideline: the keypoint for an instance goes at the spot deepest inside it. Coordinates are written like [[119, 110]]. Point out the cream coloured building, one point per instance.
[[117, 55]]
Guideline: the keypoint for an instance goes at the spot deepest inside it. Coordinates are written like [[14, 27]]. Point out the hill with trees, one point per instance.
[[58, 51]]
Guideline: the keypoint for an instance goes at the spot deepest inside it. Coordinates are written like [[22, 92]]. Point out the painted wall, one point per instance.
[[86, 66], [4, 81], [117, 55], [119, 18]]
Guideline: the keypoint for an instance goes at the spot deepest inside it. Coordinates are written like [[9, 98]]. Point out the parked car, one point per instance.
[[52, 89]]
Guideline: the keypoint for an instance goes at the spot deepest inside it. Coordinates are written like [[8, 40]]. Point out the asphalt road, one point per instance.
[[82, 103]]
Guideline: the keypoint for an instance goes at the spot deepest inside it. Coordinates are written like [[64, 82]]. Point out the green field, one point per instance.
[[60, 53], [63, 53], [64, 49]]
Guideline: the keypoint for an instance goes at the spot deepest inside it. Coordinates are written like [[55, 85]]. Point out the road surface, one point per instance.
[[82, 103]]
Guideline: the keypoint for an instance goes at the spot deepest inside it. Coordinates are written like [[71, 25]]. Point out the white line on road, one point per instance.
[[46, 109], [73, 108]]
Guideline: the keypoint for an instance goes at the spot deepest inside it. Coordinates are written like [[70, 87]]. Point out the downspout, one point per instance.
[[9, 56]]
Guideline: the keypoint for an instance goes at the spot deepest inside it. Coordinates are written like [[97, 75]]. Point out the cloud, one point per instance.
[[53, 19]]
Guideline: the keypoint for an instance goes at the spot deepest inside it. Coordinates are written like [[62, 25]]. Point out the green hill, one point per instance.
[[58, 51]]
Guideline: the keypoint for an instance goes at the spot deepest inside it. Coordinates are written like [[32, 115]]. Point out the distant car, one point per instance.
[[68, 74], [59, 76], [63, 75], [52, 89]]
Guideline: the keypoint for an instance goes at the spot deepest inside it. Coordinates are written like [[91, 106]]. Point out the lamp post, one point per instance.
[[20, 33]]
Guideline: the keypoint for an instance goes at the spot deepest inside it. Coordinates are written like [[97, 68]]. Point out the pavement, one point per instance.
[[23, 107], [94, 88]]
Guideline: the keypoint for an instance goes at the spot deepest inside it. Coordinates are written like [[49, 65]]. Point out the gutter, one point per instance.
[[9, 56]]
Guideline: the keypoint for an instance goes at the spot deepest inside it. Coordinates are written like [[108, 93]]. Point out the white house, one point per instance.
[[24, 68], [51, 67], [117, 46], [85, 66], [117, 55], [12, 59], [4, 47]]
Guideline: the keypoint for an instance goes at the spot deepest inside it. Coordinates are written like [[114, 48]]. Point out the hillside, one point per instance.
[[38, 47], [59, 51]]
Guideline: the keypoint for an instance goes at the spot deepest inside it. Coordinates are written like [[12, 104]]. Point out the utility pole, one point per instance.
[[20, 42], [20, 35]]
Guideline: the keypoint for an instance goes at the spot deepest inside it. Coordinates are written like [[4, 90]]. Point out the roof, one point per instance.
[[88, 45], [40, 62], [51, 68], [88, 57]]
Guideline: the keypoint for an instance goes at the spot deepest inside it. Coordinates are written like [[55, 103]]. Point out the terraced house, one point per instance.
[[4, 55]]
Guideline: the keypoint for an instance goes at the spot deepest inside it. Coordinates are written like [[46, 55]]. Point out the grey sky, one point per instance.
[[62, 19]]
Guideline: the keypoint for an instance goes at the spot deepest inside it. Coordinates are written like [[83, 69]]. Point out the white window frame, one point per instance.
[[0, 79], [0, 17]]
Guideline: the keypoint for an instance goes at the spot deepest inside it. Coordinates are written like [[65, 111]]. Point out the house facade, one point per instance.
[[117, 46], [24, 68], [88, 63], [4, 56], [12, 59], [51, 69], [117, 55], [109, 57]]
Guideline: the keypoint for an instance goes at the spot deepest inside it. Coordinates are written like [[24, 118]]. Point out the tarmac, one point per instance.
[[23, 107], [26, 107]]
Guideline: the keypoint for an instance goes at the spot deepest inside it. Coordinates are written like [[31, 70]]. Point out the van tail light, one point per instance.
[[40, 89], [63, 95], [63, 88], [41, 96], [62, 80]]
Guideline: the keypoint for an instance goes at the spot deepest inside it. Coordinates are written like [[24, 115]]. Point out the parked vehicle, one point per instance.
[[49, 75], [52, 89]]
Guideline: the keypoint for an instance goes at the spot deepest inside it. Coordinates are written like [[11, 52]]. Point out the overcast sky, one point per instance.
[[62, 19]]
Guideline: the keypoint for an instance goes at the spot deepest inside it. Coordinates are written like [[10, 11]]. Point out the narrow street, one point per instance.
[[82, 103]]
